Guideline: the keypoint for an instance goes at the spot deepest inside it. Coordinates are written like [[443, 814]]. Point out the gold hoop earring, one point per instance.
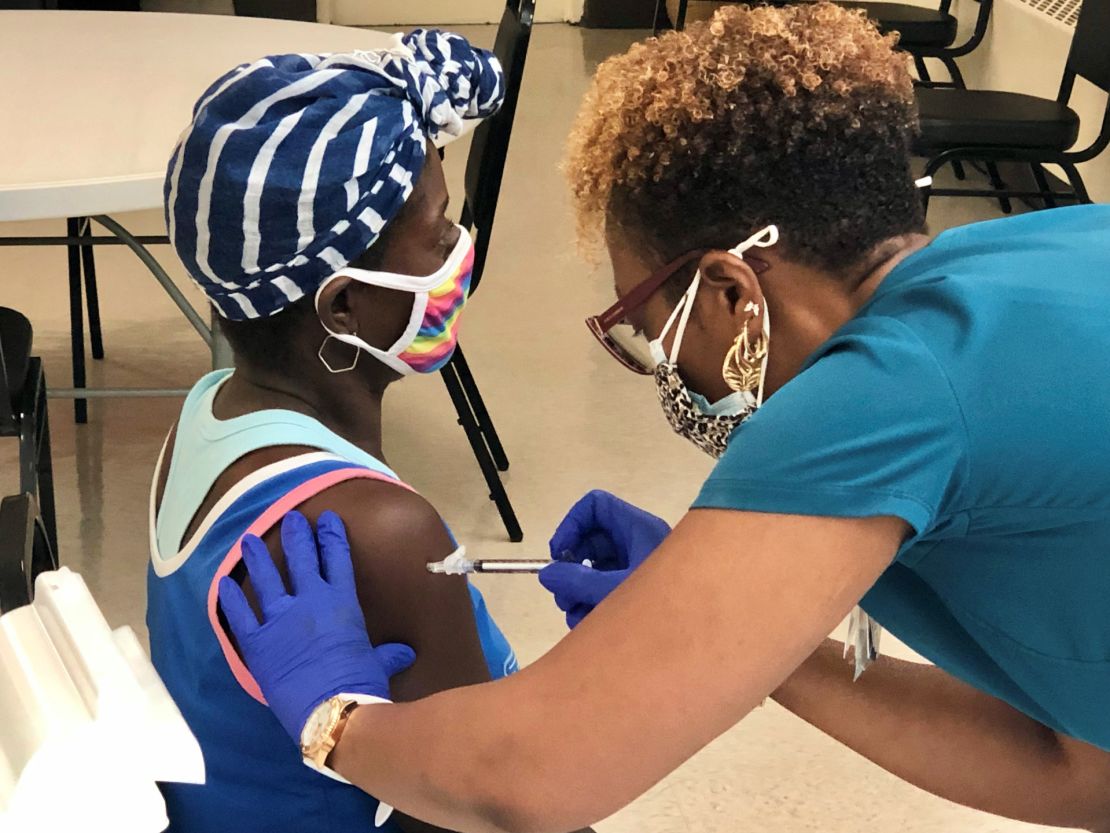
[[743, 364], [327, 364]]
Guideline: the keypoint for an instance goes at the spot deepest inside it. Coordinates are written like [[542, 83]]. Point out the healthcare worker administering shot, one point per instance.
[[914, 426]]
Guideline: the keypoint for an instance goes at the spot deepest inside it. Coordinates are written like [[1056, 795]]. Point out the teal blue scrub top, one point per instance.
[[971, 398]]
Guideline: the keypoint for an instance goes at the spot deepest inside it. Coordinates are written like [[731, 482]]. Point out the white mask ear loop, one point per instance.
[[766, 355], [687, 308], [678, 309], [763, 238]]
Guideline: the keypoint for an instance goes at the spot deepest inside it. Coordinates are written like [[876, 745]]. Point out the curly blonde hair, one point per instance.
[[801, 116]]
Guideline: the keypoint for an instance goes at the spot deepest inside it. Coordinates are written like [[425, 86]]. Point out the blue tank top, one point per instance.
[[256, 781]]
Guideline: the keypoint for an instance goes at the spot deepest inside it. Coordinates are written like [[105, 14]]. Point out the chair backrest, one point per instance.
[[489, 146], [15, 350], [8, 423], [24, 551], [1090, 52], [982, 20]]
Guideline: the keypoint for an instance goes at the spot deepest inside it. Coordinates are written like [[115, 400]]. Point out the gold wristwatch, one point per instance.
[[325, 726]]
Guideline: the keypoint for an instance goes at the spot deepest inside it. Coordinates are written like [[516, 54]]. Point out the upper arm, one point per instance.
[[393, 534]]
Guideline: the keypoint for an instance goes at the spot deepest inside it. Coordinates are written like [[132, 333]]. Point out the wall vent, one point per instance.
[[1065, 11]]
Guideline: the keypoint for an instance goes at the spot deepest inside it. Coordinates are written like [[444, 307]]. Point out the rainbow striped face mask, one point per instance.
[[429, 340]]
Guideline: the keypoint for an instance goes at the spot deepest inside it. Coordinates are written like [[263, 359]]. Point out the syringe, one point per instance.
[[457, 564]]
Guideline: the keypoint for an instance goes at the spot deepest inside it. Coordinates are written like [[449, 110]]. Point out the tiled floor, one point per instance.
[[571, 420]]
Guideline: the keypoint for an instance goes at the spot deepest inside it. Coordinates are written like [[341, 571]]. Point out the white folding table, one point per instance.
[[91, 106]]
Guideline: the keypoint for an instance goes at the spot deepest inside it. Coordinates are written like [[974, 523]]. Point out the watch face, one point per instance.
[[320, 722]]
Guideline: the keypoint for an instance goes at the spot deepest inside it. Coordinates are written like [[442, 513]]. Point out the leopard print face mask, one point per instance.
[[708, 431], [708, 426]]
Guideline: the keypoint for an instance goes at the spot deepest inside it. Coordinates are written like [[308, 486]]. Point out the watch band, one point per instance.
[[346, 703]]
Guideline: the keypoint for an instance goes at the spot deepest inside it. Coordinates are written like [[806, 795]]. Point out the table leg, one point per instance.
[[159, 274], [80, 238], [222, 355], [77, 323], [92, 296]]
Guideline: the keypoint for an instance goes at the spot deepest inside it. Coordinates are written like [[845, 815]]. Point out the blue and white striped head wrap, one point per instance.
[[293, 164]]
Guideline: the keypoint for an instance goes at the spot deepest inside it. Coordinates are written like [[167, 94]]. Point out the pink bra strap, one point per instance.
[[263, 524]]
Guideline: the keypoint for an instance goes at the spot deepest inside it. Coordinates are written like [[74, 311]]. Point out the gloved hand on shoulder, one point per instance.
[[312, 643]]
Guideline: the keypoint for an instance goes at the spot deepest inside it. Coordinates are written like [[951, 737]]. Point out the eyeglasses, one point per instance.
[[624, 342]]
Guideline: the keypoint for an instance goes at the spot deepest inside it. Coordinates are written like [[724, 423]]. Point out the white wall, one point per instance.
[[446, 12]]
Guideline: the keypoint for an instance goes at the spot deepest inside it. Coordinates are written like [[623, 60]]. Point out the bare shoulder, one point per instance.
[[393, 534], [385, 522]]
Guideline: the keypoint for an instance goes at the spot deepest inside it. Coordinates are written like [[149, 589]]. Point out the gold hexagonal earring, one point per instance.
[[327, 364]]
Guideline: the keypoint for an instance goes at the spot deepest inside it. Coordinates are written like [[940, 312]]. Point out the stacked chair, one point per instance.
[[923, 32], [23, 414], [987, 126]]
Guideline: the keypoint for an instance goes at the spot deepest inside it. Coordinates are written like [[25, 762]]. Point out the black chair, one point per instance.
[[24, 551], [489, 146], [990, 127], [23, 413], [679, 23], [485, 167], [922, 31], [929, 33]]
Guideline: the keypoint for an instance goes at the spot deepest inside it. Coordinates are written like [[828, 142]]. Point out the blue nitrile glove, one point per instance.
[[313, 644], [613, 535]]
